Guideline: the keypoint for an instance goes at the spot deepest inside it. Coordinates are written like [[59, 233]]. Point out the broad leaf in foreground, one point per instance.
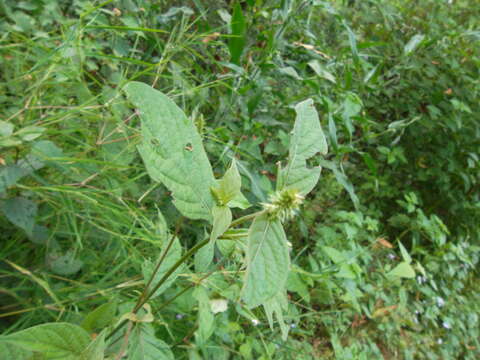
[[54, 340], [268, 261], [173, 152], [307, 140]]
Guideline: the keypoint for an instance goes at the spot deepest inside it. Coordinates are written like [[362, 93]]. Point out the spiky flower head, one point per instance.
[[284, 204]]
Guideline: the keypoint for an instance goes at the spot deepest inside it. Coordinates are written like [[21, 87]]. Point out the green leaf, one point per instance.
[[65, 264], [307, 140], [6, 128], [21, 212], [406, 257], [277, 305], [268, 261], [54, 340], [229, 185], [10, 351], [30, 133], [143, 345], [173, 152], [238, 28], [402, 270], [320, 71], [101, 317], [222, 218], [334, 255], [205, 316], [96, 349], [413, 44], [173, 255]]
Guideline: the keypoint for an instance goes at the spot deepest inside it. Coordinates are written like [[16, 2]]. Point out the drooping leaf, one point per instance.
[[173, 152], [143, 345], [101, 317], [236, 43], [268, 261], [307, 140], [21, 212], [277, 305], [174, 254], [54, 340]]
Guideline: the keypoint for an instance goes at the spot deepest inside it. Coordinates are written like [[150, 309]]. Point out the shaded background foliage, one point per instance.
[[396, 84]]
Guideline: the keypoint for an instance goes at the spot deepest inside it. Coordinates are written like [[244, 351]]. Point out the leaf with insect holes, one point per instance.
[[172, 151], [268, 261], [307, 140]]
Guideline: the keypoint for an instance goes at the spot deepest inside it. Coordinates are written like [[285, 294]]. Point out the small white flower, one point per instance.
[[391, 256], [255, 322], [446, 325], [179, 316], [440, 302], [439, 341], [293, 326]]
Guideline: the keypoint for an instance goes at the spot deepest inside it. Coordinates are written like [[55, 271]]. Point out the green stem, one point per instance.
[[246, 218], [157, 267], [145, 299]]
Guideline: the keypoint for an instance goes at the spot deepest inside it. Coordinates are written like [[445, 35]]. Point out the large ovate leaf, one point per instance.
[[173, 152], [173, 255], [11, 351], [54, 340], [307, 140], [143, 345], [268, 261]]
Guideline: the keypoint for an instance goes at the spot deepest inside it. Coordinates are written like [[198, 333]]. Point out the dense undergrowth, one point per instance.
[[384, 251]]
